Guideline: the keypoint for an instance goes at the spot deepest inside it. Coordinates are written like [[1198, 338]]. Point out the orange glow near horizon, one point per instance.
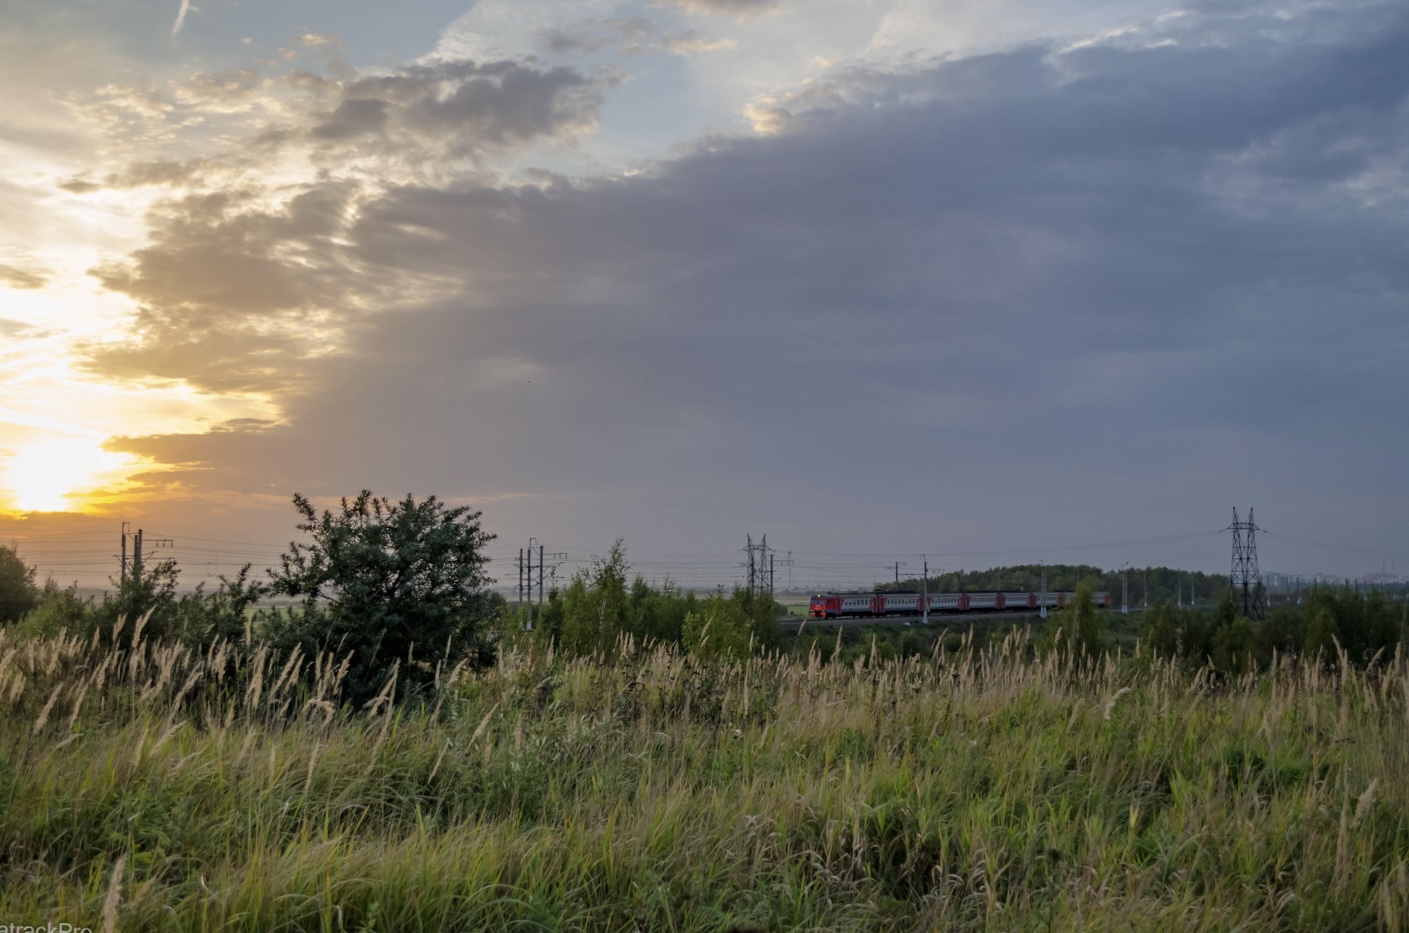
[[59, 474], [57, 418]]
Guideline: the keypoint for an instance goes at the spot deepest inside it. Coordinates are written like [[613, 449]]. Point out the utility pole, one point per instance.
[[122, 574], [526, 576], [1124, 589], [529, 579], [137, 553], [1042, 602], [765, 555], [925, 590]]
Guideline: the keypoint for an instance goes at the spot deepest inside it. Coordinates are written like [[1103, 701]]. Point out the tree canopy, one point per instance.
[[393, 582]]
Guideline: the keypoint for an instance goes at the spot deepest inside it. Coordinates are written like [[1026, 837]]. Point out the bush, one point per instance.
[[146, 593], [1078, 628], [1162, 631], [594, 606], [18, 594], [395, 583], [59, 610], [222, 615], [743, 623]]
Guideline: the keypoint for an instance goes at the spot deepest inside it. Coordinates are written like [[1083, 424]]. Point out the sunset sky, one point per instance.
[[990, 280]]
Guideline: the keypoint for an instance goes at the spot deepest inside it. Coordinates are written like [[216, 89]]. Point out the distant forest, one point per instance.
[[1160, 584]]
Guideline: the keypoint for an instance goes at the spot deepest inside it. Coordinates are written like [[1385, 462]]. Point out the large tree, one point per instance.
[[390, 581]]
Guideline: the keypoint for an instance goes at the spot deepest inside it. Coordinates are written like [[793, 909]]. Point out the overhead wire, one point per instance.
[[809, 569], [1329, 546]]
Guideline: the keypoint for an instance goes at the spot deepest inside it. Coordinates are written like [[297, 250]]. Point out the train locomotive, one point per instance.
[[875, 605]]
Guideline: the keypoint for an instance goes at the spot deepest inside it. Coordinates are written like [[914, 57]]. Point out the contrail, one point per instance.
[[180, 17]]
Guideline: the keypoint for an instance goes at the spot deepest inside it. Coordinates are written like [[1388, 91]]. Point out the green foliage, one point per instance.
[[973, 791], [1078, 628], [1332, 620], [547, 620], [146, 597], [1162, 631], [594, 606], [591, 616], [59, 610], [1361, 625], [1232, 646], [1364, 624], [18, 592], [197, 618], [1147, 584], [1321, 633], [658, 615], [1281, 634], [396, 583], [225, 614], [733, 627]]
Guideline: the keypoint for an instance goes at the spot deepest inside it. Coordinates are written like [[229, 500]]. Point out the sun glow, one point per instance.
[[55, 474]]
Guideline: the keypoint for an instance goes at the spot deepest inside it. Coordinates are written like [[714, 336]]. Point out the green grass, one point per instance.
[[973, 790]]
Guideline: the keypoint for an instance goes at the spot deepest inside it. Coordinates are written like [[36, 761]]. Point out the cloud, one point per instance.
[[1102, 274], [235, 91], [251, 272], [17, 278], [412, 117], [735, 7], [17, 328], [180, 18], [235, 285], [470, 104], [158, 172], [634, 35]]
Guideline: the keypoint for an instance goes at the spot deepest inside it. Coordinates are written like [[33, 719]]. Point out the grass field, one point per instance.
[[971, 790]]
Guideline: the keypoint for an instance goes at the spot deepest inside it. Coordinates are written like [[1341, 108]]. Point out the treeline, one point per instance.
[[1329, 624], [1145, 584], [1331, 621], [397, 590], [599, 607]]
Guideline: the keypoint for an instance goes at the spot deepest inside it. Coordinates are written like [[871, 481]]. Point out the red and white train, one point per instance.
[[848, 605]]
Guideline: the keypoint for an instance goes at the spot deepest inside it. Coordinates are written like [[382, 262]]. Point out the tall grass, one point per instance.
[[154, 787]]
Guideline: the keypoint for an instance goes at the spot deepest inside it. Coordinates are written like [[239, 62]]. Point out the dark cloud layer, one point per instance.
[[1065, 286], [478, 105], [635, 34]]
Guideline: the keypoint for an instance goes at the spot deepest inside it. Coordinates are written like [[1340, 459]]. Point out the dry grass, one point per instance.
[[981, 789]]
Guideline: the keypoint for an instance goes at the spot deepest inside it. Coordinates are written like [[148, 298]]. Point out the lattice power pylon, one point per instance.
[[1244, 578], [759, 567]]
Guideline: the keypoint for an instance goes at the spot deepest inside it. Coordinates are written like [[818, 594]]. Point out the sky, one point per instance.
[[974, 282]]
